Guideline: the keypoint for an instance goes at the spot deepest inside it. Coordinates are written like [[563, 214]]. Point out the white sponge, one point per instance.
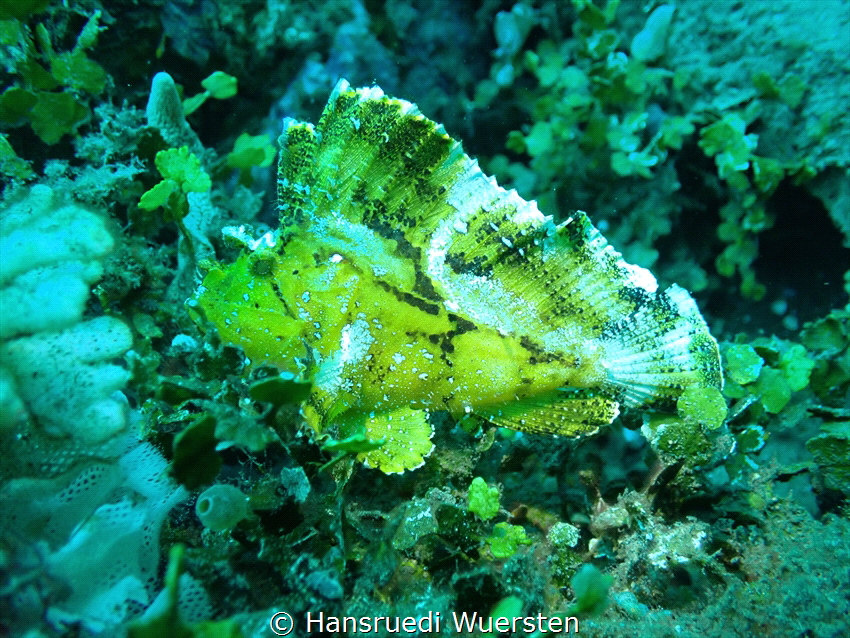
[[49, 256], [64, 379]]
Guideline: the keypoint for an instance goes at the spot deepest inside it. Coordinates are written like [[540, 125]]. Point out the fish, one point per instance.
[[404, 281]]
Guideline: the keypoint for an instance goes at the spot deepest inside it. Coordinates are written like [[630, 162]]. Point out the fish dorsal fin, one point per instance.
[[377, 161], [371, 159]]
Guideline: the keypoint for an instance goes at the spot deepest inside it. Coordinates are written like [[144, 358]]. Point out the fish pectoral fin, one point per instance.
[[406, 433], [574, 414]]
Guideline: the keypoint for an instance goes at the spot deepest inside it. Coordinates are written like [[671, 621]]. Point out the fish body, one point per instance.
[[403, 280]]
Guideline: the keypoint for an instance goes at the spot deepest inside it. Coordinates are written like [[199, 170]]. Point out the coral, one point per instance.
[[51, 252], [564, 559], [653, 554], [182, 609], [64, 379], [81, 491], [787, 580]]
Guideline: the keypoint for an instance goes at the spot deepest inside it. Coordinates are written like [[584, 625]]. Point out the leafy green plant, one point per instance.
[[769, 370], [196, 462], [831, 452], [506, 539], [11, 165], [280, 389], [181, 174], [250, 151], [21, 8], [728, 143], [752, 179], [790, 89], [507, 608], [590, 116], [218, 85], [167, 622], [41, 70], [483, 500], [828, 339], [600, 111], [350, 446], [743, 365], [591, 590]]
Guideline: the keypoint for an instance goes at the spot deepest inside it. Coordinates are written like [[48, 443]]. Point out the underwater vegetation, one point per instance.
[[271, 343]]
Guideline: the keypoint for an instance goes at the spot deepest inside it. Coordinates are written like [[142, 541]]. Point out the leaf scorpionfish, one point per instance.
[[403, 280]]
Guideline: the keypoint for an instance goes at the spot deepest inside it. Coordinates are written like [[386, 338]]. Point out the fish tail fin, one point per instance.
[[659, 350]]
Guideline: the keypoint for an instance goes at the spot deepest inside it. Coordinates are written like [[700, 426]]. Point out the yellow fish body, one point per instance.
[[403, 280]]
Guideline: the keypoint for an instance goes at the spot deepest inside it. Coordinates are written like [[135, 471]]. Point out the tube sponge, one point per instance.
[[164, 112], [651, 42], [221, 507]]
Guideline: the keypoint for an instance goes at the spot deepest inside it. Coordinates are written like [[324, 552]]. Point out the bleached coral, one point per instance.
[[164, 112]]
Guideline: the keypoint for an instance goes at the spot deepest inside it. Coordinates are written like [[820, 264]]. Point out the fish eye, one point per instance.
[[262, 266]]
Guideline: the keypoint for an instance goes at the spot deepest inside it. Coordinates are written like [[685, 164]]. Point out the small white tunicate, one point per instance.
[[221, 507]]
